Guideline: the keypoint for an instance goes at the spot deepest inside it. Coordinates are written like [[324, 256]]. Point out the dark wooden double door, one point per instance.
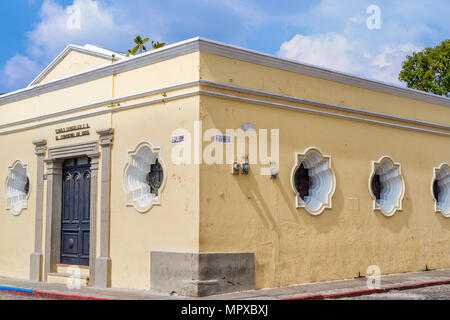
[[75, 217]]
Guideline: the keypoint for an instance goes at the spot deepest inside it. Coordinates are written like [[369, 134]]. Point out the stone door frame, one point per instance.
[[43, 263]]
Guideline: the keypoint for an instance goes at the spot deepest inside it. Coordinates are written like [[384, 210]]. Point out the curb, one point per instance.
[[46, 295], [60, 296], [370, 291]]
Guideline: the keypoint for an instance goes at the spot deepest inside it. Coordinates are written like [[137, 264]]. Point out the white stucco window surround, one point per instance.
[[313, 181], [144, 177], [440, 189], [386, 186], [17, 186]]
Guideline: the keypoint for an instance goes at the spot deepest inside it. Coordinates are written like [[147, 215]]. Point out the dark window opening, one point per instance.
[[376, 186], [436, 190], [75, 162], [155, 177], [302, 181], [27, 186]]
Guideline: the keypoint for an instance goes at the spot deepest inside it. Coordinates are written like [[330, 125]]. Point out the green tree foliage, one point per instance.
[[428, 70], [140, 45], [157, 45]]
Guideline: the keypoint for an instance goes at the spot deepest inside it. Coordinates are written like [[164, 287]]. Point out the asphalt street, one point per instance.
[[427, 293]]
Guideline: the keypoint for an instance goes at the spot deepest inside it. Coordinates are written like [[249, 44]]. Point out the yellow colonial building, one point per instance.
[[202, 168]]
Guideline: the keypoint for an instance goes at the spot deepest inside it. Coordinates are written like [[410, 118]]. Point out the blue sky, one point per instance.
[[328, 33]]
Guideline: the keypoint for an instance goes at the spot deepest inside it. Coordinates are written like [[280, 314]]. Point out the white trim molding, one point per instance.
[[392, 186], [442, 178], [139, 164], [356, 110], [291, 65], [214, 47], [322, 181], [124, 65], [16, 185], [99, 108], [87, 49]]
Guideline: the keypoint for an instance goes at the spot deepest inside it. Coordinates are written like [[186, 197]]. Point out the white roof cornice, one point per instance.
[[205, 45], [87, 49], [319, 72]]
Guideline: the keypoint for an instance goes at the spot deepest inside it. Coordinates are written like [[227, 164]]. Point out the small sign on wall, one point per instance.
[[177, 139], [248, 127], [223, 138], [72, 132]]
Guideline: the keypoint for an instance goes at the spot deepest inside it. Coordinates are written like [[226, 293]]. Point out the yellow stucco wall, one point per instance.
[[16, 232], [206, 209], [74, 62], [249, 75], [173, 226], [256, 214]]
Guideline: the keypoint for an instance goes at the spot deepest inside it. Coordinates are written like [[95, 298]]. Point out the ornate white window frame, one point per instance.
[[133, 175], [396, 187], [14, 175], [442, 172], [327, 184]]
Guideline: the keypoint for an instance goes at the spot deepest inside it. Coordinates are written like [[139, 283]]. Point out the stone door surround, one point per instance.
[[43, 263]]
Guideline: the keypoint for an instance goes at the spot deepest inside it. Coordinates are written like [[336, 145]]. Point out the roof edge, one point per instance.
[[215, 47], [324, 73], [87, 49]]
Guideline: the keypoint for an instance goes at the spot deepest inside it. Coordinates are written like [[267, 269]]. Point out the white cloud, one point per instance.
[[358, 20], [329, 33], [348, 54], [109, 26], [98, 24], [330, 50], [18, 69], [250, 15], [333, 34]]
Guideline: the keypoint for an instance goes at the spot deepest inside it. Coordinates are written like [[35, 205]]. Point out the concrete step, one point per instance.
[[76, 270], [68, 279]]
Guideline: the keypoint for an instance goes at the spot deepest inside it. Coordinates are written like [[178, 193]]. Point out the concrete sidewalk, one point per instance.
[[331, 289]]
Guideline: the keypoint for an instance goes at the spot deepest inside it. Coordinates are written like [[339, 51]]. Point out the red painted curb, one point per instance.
[[353, 293], [51, 295], [419, 285], [369, 292], [25, 294], [44, 294]]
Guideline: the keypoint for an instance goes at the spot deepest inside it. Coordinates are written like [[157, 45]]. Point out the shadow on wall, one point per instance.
[[266, 253], [400, 220], [248, 186], [445, 222], [322, 223]]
